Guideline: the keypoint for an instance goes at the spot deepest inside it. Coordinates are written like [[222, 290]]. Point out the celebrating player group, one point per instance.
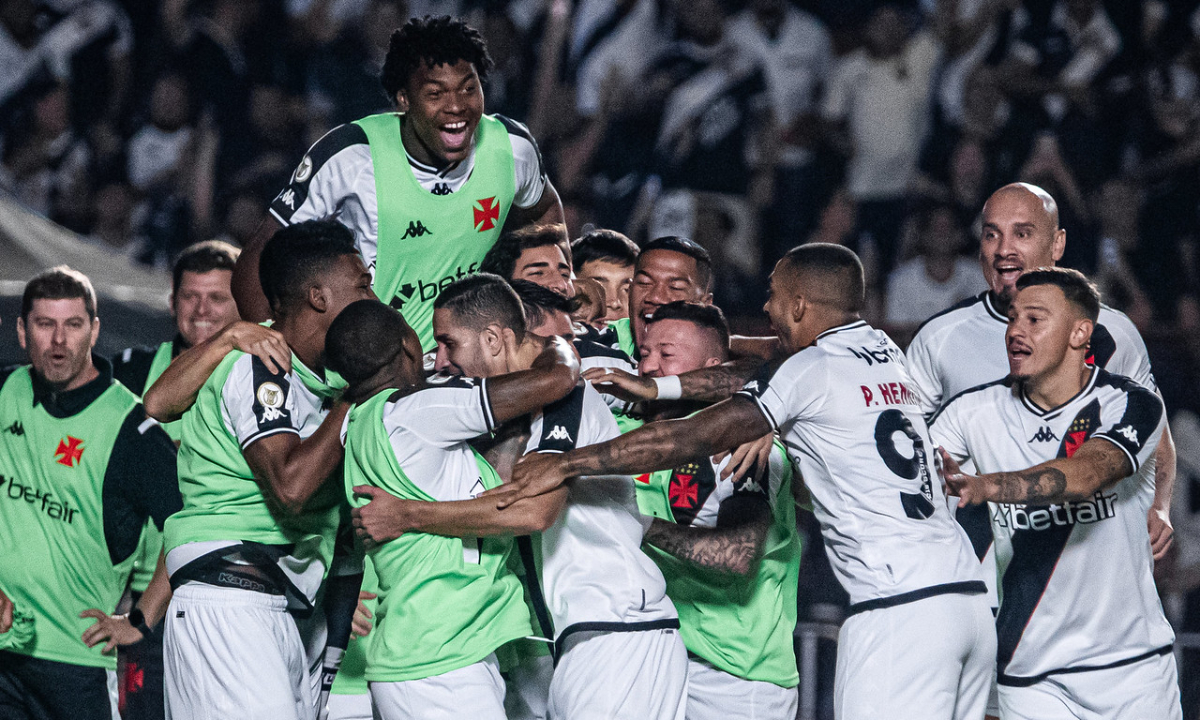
[[483, 471]]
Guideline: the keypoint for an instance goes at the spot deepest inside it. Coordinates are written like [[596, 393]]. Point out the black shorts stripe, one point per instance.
[[665, 624], [1022, 681], [965, 587]]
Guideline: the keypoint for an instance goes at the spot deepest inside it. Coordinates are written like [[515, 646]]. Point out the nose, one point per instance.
[[650, 367], [1004, 245], [441, 360]]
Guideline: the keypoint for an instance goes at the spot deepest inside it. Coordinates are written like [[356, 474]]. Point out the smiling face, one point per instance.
[[442, 105], [1043, 327], [203, 304], [673, 347], [1019, 234], [59, 337], [346, 282], [545, 266], [662, 276]]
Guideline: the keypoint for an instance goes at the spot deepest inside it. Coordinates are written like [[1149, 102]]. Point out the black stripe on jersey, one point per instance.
[[1102, 348], [590, 348], [1143, 410], [689, 487], [1021, 681], [960, 305], [332, 143], [1002, 381], [560, 423], [270, 401], [533, 583], [1035, 554], [976, 522], [486, 402], [516, 128]]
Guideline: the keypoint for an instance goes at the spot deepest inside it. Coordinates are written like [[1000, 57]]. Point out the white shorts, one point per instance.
[[528, 688], [475, 691], [349, 707], [716, 695], [931, 659], [233, 653], [640, 675], [1138, 691]]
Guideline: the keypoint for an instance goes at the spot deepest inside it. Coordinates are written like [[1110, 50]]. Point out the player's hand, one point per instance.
[[623, 385], [112, 630], [362, 623], [533, 475], [754, 456], [967, 488], [381, 520], [6, 613], [262, 342], [1162, 533]]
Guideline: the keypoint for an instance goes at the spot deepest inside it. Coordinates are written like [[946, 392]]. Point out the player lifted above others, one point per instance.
[[919, 633], [426, 190], [1066, 447]]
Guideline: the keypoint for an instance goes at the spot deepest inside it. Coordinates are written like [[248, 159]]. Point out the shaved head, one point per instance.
[[1020, 232], [1030, 193], [826, 274]]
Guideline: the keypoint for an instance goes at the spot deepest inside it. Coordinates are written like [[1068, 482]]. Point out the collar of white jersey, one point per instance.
[[1053, 412], [991, 308], [840, 328]]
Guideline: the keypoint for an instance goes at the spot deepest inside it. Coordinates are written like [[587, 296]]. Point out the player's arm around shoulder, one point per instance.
[[176, 389]]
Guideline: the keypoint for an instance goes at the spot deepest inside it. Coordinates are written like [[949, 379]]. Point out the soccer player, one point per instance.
[[81, 470], [618, 650], [427, 190], [202, 305], [445, 603], [608, 257], [535, 254], [727, 546], [919, 640], [1066, 448], [254, 540]]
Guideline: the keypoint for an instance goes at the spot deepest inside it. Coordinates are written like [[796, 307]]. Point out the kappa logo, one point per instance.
[[16, 428], [755, 387], [416, 229], [69, 451], [288, 197], [1128, 433], [270, 396], [487, 213], [1044, 434], [558, 432], [441, 189]]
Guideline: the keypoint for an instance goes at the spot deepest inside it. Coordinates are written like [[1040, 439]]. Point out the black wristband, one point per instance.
[[138, 621]]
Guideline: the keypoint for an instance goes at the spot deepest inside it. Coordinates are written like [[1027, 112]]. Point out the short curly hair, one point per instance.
[[431, 41]]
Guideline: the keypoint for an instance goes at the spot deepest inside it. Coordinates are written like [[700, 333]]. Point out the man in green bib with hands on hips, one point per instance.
[[426, 190], [81, 471]]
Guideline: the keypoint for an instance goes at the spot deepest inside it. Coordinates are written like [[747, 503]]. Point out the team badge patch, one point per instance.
[[303, 171], [270, 396], [69, 452], [487, 213]]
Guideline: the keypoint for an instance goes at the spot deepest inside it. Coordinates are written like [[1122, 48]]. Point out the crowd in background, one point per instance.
[[146, 125]]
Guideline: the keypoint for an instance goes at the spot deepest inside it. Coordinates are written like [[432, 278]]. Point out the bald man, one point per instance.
[[919, 641], [963, 347]]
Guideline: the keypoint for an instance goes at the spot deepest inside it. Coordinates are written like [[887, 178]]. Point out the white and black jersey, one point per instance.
[[1076, 585], [963, 347], [336, 179], [593, 354], [594, 575], [848, 413]]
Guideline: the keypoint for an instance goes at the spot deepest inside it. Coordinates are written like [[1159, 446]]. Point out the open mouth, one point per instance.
[[1008, 273], [453, 135]]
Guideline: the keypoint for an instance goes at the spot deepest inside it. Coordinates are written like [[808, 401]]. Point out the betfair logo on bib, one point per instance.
[[424, 291], [44, 501]]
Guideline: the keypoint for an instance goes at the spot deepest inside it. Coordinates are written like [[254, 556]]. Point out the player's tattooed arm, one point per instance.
[[176, 389], [1097, 464], [720, 381], [732, 548], [655, 446]]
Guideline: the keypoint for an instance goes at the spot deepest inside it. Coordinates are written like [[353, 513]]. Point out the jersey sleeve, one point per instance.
[[919, 364], [1139, 427], [947, 431], [443, 415], [258, 403], [791, 393], [530, 174], [140, 482], [326, 177], [1127, 355]]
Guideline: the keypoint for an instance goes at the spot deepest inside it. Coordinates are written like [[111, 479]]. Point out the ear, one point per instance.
[[21, 332], [171, 300], [402, 101], [95, 332], [1081, 334], [1060, 244], [318, 298], [799, 308], [712, 362], [492, 339]]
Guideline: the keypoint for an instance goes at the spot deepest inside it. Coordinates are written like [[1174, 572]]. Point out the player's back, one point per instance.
[[593, 568], [848, 413]]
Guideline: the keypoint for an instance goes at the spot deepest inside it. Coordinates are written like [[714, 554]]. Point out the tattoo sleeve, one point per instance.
[[719, 382], [736, 550], [1035, 486], [1097, 464]]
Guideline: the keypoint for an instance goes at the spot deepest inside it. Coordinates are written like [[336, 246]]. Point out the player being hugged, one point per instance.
[[1070, 529], [919, 640]]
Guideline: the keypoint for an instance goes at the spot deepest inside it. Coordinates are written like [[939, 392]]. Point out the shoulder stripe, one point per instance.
[[330, 144], [589, 348], [561, 421], [519, 129], [961, 305], [1006, 381]]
